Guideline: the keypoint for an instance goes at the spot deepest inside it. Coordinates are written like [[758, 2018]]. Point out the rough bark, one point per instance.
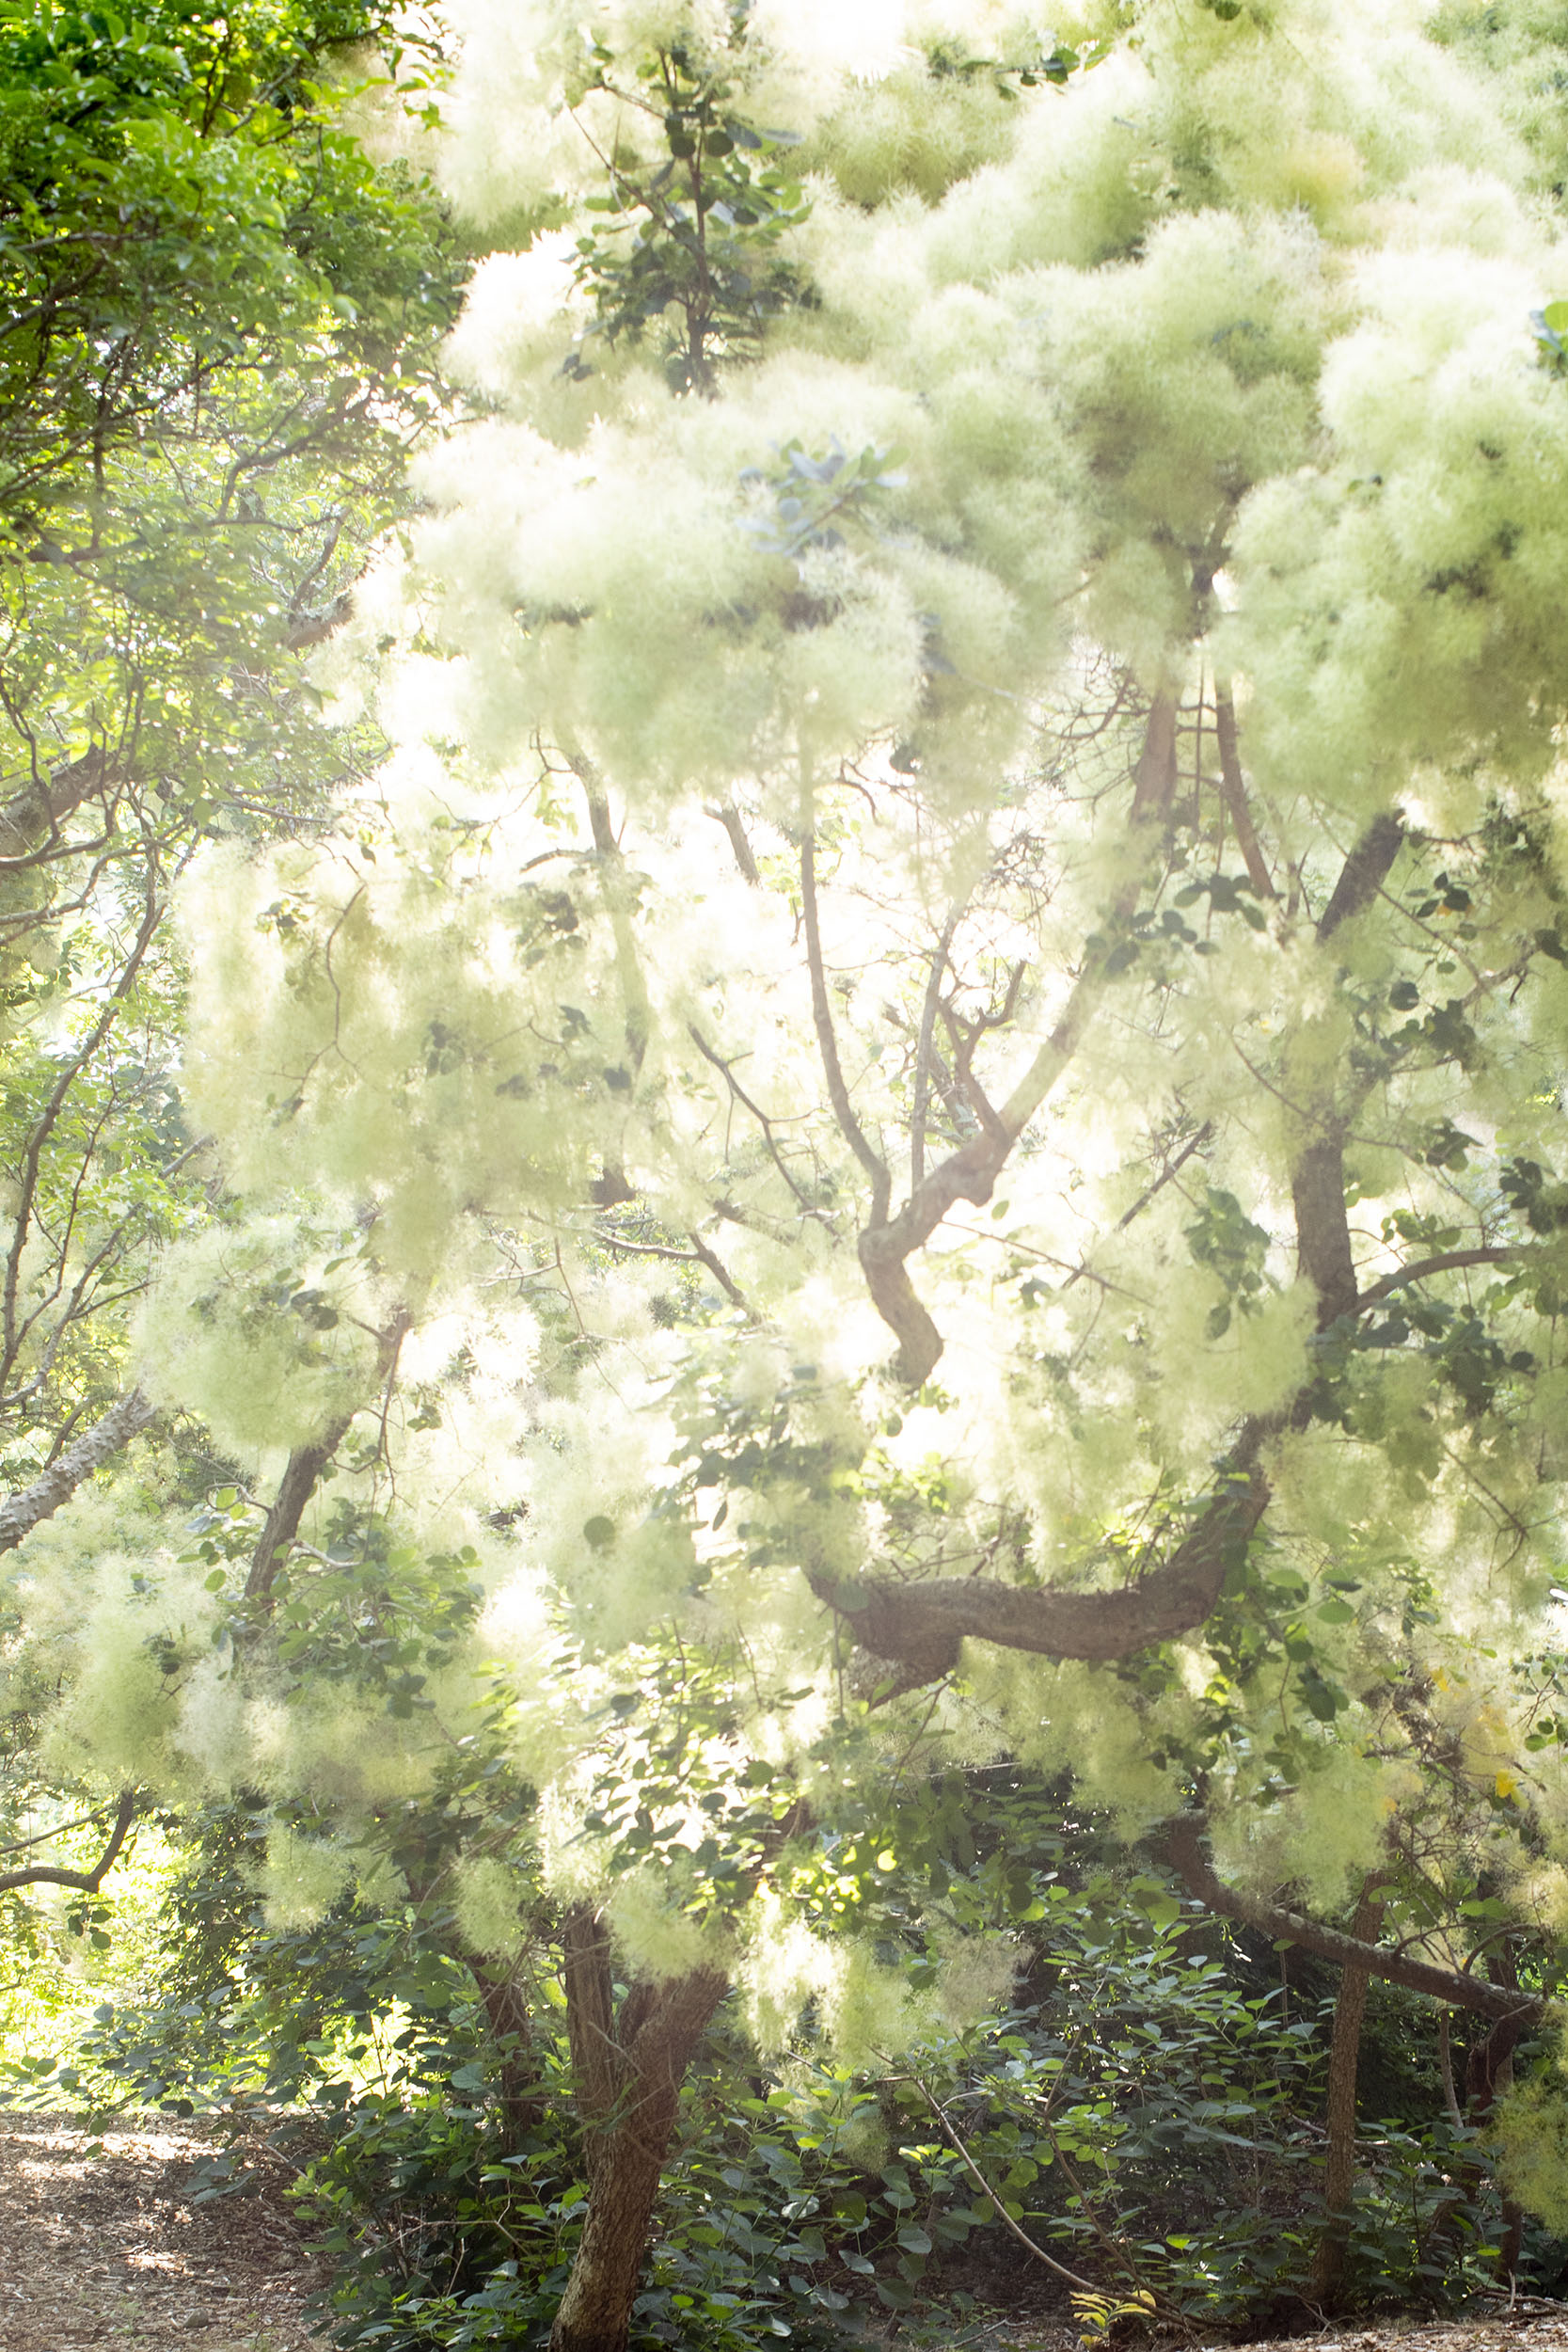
[[920, 1627], [1344, 2057], [628, 2067], [21, 1513], [1364, 872], [1323, 1230], [295, 1488]]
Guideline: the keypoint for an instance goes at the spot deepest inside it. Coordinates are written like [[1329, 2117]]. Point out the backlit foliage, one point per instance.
[[944, 1031]]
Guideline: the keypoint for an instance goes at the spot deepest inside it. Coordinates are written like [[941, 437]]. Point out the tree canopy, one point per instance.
[[918, 1119]]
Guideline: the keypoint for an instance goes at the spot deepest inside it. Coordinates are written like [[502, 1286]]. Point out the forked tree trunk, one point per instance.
[[1344, 2060], [627, 2068]]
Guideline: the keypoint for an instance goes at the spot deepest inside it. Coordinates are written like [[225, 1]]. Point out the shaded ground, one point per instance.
[[104, 2252]]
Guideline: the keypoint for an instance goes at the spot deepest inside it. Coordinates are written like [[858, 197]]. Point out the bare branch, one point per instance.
[[698, 1254], [718, 1063], [1449, 1985], [721, 1275], [304, 1467], [838, 1093], [920, 1627], [634, 994], [922, 1092], [62, 1829], [40, 807], [1445, 1262], [969, 1174], [295, 1488], [1233, 791], [1364, 872], [44, 1125], [728, 815], [85, 1882], [1085, 2286], [313, 629]]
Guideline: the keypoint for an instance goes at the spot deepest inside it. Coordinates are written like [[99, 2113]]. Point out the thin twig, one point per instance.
[[1084, 2286]]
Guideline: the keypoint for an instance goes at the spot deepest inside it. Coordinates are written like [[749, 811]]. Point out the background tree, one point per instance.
[[221, 319]]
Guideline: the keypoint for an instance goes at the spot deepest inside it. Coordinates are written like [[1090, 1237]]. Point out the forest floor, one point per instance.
[[107, 2249]]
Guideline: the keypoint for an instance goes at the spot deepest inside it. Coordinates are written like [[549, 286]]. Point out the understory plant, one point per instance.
[[1151, 2066]]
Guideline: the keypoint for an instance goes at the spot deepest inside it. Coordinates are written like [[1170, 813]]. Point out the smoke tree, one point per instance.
[[920, 1115]]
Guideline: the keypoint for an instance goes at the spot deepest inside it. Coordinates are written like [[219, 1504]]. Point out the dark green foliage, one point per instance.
[[1146, 2111], [690, 250], [173, 201]]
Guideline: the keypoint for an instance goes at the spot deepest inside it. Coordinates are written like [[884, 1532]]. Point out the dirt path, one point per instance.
[[1533, 2328], [103, 2251]]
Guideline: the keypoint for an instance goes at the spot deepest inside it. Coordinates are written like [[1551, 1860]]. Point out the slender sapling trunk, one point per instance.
[[1344, 2060]]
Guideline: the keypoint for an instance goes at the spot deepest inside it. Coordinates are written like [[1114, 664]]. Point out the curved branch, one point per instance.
[[921, 1627], [1449, 1985], [1446, 1262], [971, 1172], [85, 1882], [1073, 2278]]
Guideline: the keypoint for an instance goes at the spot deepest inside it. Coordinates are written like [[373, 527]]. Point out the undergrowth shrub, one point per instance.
[[1147, 2073]]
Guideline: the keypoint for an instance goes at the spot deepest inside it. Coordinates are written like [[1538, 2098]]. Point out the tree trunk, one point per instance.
[[1343, 2061], [511, 2029], [1445, 2069], [1489, 2070], [628, 2068]]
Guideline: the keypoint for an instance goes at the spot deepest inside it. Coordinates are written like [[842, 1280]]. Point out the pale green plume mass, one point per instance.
[[947, 1020]]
